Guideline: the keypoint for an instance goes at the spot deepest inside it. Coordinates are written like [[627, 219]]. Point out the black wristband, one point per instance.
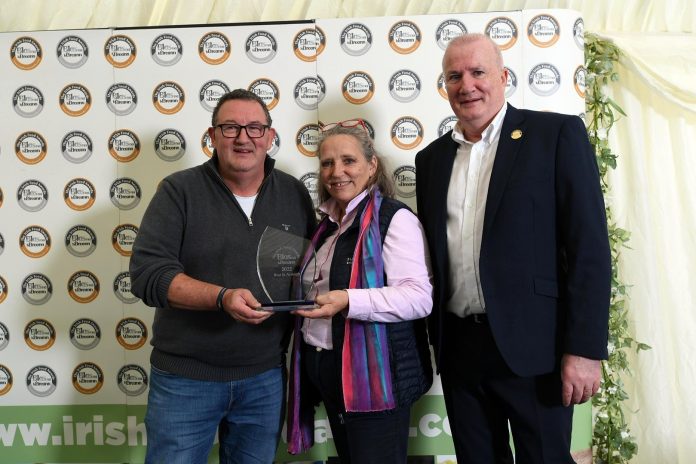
[[218, 302]]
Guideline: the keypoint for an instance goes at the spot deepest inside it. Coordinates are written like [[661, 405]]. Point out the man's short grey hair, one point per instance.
[[473, 37]]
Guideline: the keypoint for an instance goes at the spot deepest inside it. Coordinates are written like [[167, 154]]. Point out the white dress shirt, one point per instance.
[[466, 206]]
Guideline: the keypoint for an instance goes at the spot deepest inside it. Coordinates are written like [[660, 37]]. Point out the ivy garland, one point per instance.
[[612, 441]]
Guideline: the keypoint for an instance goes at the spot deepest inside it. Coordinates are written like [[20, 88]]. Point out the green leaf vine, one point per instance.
[[612, 441]]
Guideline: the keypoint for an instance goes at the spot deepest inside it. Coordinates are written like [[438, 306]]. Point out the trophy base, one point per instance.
[[291, 305]]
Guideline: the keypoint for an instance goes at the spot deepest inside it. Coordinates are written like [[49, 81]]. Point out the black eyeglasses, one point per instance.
[[253, 131], [346, 123]]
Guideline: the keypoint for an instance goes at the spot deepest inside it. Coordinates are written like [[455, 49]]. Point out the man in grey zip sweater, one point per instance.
[[217, 362]]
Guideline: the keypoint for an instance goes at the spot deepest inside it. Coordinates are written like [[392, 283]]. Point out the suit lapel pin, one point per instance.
[[516, 134]]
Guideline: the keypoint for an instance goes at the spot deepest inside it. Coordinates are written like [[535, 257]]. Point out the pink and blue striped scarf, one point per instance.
[[366, 373]]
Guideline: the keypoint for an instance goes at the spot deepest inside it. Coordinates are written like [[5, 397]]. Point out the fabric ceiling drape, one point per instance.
[[653, 190]]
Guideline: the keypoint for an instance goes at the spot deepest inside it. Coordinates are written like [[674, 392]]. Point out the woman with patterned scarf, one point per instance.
[[364, 350]]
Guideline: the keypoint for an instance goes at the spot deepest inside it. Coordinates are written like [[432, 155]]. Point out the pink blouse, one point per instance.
[[408, 291]]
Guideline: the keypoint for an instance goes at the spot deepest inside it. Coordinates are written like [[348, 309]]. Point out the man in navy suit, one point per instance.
[[513, 211]]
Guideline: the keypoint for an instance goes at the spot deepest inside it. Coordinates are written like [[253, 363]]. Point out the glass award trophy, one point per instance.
[[278, 259]]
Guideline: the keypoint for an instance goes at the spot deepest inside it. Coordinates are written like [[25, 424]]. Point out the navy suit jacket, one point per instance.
[[545, 264]]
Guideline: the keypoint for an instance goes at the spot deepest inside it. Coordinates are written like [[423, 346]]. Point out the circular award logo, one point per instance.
[[502, 31], [30, 147], [446, 125], [72, 52], [207, 145], [211, 92], [168, 97], [124, 145], [32, 195], [80, 241], [122, 288], [579, 33], [311, 183], [407, 132], [2, 246], [214, 48], [511, 84], [4, 336], [75, 100], [83, 286], [579, 80], [309, 43], [5, 380], [36, 289], [543, 30], [120, 51], [441, 86], [261, 47], [448, 30], [356, 39], [3, 289], [370, 129], [123, 237], [267, 90], [79, 194], [131, 333], [125, 193], [35, 241], [87, 378], [132, 380], [275, 146], [544, 79], [166, 50], [27, 101], [41, 381], [121, 99], [309, 92], [39, 334], [404, 86], [405, 181], [26, 53], [170, 145], [76, 147], [85, 334], [358, 87], [404, 37], [307, 138]]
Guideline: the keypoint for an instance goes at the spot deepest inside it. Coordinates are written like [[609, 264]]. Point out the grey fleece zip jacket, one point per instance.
[[194, 225]]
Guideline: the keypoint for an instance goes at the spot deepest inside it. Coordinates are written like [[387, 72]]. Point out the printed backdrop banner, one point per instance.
[[94, 119]]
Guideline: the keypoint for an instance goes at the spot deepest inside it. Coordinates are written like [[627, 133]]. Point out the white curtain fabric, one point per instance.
[[600, 15], [654, 197], [653, 189]]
